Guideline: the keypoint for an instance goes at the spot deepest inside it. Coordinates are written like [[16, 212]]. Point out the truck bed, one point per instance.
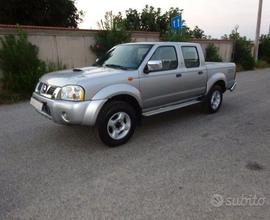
[[228, 69]]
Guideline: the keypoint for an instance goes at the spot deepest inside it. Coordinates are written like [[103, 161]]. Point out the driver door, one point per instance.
[[161, 87]]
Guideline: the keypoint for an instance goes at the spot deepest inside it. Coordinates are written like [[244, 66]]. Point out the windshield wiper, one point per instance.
[[116, 66]]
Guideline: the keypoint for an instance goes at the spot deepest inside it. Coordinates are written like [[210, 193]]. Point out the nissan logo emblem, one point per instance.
[[44, 88]]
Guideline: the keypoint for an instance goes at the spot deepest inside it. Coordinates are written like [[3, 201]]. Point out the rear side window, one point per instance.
[[191, 56], [167, 54]]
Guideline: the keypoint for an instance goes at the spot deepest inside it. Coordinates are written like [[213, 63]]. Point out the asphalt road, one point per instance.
[[171, 169]]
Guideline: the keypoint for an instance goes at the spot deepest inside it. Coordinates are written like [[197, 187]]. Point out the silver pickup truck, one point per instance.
[[133, 80]]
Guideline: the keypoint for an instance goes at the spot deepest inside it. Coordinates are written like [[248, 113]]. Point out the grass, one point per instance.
[[260, 64], [239, 68]]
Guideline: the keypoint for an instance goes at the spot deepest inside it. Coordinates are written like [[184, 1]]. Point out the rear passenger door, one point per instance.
[[194, 73]]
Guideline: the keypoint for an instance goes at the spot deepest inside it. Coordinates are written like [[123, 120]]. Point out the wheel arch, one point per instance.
[[128, 99], [222, 84], [217, 79], [121, 92], [124, 98]]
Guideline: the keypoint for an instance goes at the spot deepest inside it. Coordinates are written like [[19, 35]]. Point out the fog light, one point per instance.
[[65, 117]]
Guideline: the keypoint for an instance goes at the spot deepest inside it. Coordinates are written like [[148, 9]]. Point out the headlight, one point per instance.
[[72, 93]]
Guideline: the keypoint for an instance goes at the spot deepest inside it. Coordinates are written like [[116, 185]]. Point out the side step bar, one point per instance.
[[170, 108]]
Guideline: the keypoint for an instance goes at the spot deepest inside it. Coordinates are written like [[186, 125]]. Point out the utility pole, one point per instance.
[[258, 28]]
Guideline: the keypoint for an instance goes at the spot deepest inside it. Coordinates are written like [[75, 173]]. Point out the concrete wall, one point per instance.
[[69, 46], [72, 46], [225, 47]]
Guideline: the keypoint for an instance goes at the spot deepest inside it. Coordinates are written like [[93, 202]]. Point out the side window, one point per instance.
[[191, 56], [167, 54]]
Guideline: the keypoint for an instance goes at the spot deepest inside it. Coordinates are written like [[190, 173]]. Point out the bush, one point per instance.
[[262, 64], [20, 64], [212, 54], [107, 39], [264, 48], [51, 66], [242, 54], [185, 34], [247, 62], [6, 97]]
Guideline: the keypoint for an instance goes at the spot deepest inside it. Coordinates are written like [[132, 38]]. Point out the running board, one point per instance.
[[170, 108]]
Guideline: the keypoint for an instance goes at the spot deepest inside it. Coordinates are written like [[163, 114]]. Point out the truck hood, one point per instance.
[[73, 76]]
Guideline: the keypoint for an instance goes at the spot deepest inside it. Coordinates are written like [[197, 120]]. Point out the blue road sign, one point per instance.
[[176, 22]]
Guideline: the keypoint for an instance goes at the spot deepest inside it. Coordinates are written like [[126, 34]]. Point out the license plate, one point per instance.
[[37, 105]]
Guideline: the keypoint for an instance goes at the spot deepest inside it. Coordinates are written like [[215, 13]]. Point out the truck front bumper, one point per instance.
[[67, 112]]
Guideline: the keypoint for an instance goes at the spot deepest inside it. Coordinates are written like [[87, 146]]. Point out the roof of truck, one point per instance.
[[164, 43]]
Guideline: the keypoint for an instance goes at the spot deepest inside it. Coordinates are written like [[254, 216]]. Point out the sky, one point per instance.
[[215, 17]]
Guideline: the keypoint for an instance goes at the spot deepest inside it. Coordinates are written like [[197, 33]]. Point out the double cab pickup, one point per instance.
[[130, 81]]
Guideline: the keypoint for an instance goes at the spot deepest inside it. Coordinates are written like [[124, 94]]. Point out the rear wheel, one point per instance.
[[213, 100], [116, 123]]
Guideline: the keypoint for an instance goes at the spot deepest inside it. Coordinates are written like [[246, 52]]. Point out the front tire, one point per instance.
[[116, 123], [213, 100]]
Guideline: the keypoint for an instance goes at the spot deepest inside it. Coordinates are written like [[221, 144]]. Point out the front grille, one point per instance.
[[51, 90], [46, 90]]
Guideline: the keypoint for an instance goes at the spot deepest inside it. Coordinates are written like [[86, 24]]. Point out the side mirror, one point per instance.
[[154, 65], [97, 60]]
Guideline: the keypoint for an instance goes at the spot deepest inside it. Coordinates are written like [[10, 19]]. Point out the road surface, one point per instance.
[[179, 165]]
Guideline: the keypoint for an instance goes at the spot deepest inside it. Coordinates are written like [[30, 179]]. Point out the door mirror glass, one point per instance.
[[154, 65]]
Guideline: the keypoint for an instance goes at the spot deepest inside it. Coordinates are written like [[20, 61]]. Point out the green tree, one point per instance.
[[149, 17], [168, 34], [198, 33], [152, 19], [62, 13], [234, 35], [212, 53], [112, 22], [108, 22], [113, 32], [132, 20], [177, 35], [225, 37], [264, 48]]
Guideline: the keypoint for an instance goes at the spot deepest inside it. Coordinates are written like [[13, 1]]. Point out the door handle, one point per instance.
[[178, 75], [200, 72]]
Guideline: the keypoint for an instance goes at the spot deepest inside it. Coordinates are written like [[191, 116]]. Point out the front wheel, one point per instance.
[[213, 100], [116, 123]]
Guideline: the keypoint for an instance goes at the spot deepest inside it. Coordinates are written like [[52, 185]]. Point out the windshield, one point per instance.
[[128, 57]]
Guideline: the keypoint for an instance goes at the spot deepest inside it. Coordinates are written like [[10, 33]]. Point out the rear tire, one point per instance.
[[213, 99], [116, 123]]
